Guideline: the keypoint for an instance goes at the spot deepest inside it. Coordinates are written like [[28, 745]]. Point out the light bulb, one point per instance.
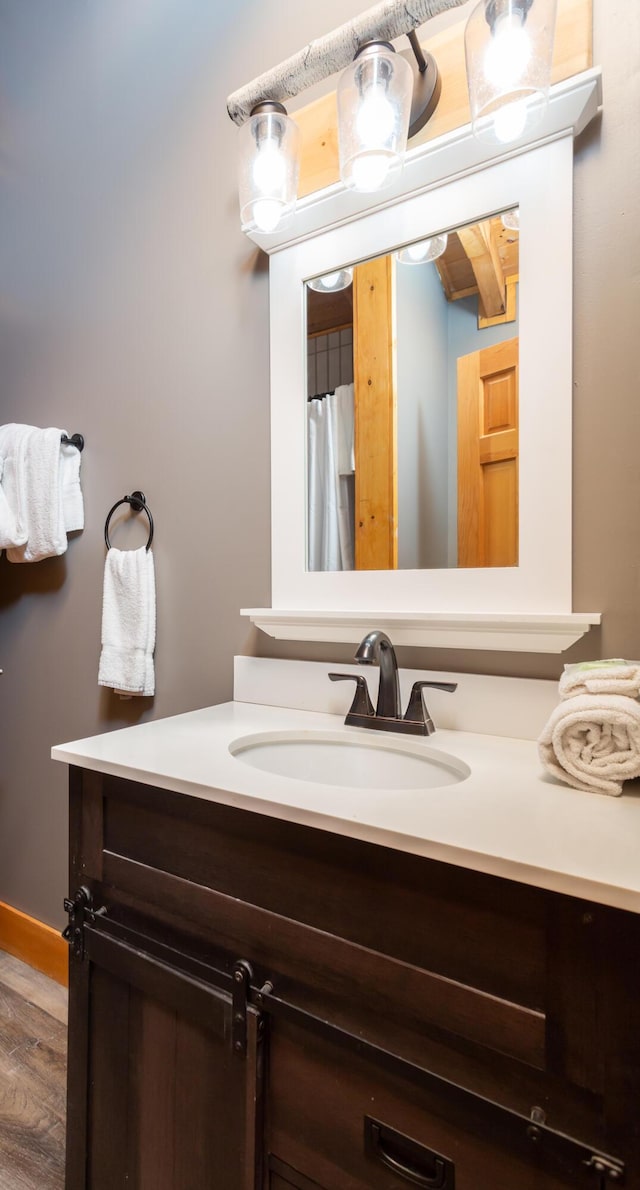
[[369, 172], [269, 175], [269, 169], [375, 119], [266, 213], [508, 52], [509, 121]]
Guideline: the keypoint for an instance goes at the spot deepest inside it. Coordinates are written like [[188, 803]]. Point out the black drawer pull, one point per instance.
[[406, 1158]]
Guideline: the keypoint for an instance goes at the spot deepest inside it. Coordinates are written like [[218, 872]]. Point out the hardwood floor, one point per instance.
[[33, 1042]]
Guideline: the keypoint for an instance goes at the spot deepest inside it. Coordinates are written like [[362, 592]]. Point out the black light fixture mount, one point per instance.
[[427, 85]]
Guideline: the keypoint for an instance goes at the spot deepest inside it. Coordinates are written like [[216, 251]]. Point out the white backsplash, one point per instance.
[[513, 707]]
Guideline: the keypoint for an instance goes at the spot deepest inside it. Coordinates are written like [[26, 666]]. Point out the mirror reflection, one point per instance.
[[412, 405]]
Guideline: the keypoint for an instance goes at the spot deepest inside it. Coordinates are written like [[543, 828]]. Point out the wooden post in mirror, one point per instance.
[[374, 353]]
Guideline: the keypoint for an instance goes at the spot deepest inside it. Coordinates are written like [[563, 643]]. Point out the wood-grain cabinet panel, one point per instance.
[[428, 915], [526, 998], [303, 955]]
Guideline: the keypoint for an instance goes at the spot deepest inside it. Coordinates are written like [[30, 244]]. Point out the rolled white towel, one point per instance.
[[128, 622], [592, 742], [602, 677]]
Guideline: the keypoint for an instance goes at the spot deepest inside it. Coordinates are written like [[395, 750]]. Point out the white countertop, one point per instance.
[[506, 818]]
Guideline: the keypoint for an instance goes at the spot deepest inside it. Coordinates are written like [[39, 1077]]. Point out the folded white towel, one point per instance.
[[605, 677], [128, 622], [592, 742], [13, 513], [41, 498]]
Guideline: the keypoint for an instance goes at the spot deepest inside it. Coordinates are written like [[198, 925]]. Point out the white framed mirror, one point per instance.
[[529, 598], [539, 184]]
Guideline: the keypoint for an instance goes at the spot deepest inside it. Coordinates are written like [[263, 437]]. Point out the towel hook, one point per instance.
[[138, 503]]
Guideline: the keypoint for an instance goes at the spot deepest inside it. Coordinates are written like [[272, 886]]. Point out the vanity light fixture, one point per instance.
[[509, 50], [268, 167], [387, 105], [332, 282], [423, 251]]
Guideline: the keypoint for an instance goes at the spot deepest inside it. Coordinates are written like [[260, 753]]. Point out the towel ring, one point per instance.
[[138, 503]]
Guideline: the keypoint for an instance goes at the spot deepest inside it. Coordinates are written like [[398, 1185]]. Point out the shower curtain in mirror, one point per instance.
[[330, 470]]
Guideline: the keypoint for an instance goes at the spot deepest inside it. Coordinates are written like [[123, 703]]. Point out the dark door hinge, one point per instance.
[[80, 910], [241, 987]]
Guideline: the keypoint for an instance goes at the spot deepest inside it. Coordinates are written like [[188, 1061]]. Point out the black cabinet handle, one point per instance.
[[407, 1158]]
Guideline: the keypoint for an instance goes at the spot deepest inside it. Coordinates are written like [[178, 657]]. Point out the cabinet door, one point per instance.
[[158, 1099]]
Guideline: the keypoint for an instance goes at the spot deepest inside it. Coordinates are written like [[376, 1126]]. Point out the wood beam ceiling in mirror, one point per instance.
[[573, 53], [481, 259]]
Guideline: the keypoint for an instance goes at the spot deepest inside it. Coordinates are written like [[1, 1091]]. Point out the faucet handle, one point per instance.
[[416, 711], [362, 704]]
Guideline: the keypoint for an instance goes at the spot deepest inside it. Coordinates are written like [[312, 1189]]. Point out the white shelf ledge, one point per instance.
[[515, 633]]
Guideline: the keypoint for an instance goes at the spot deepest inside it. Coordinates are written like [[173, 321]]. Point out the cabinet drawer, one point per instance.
[[346, 1123]]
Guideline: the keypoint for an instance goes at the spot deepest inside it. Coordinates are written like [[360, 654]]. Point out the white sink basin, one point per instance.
[[366, 761]]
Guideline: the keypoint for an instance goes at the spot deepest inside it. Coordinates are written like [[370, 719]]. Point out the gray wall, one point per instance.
[[132, 309]]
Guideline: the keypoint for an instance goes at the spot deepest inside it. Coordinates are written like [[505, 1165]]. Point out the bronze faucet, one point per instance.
[[377, 649]]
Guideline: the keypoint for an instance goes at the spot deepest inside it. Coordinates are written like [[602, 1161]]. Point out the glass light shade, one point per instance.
[[423, 251], [511, 219], [268, 169], [332, 282], [374, 104], [509, 50]]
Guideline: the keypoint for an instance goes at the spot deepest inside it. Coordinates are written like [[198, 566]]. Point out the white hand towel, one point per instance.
[[72, 502], [128, 622], [592, 742], [40, 498], [13, 513], [605, 677], [8, 526]]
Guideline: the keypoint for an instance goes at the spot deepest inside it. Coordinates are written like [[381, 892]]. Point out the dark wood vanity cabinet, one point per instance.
[[257, 1004]]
